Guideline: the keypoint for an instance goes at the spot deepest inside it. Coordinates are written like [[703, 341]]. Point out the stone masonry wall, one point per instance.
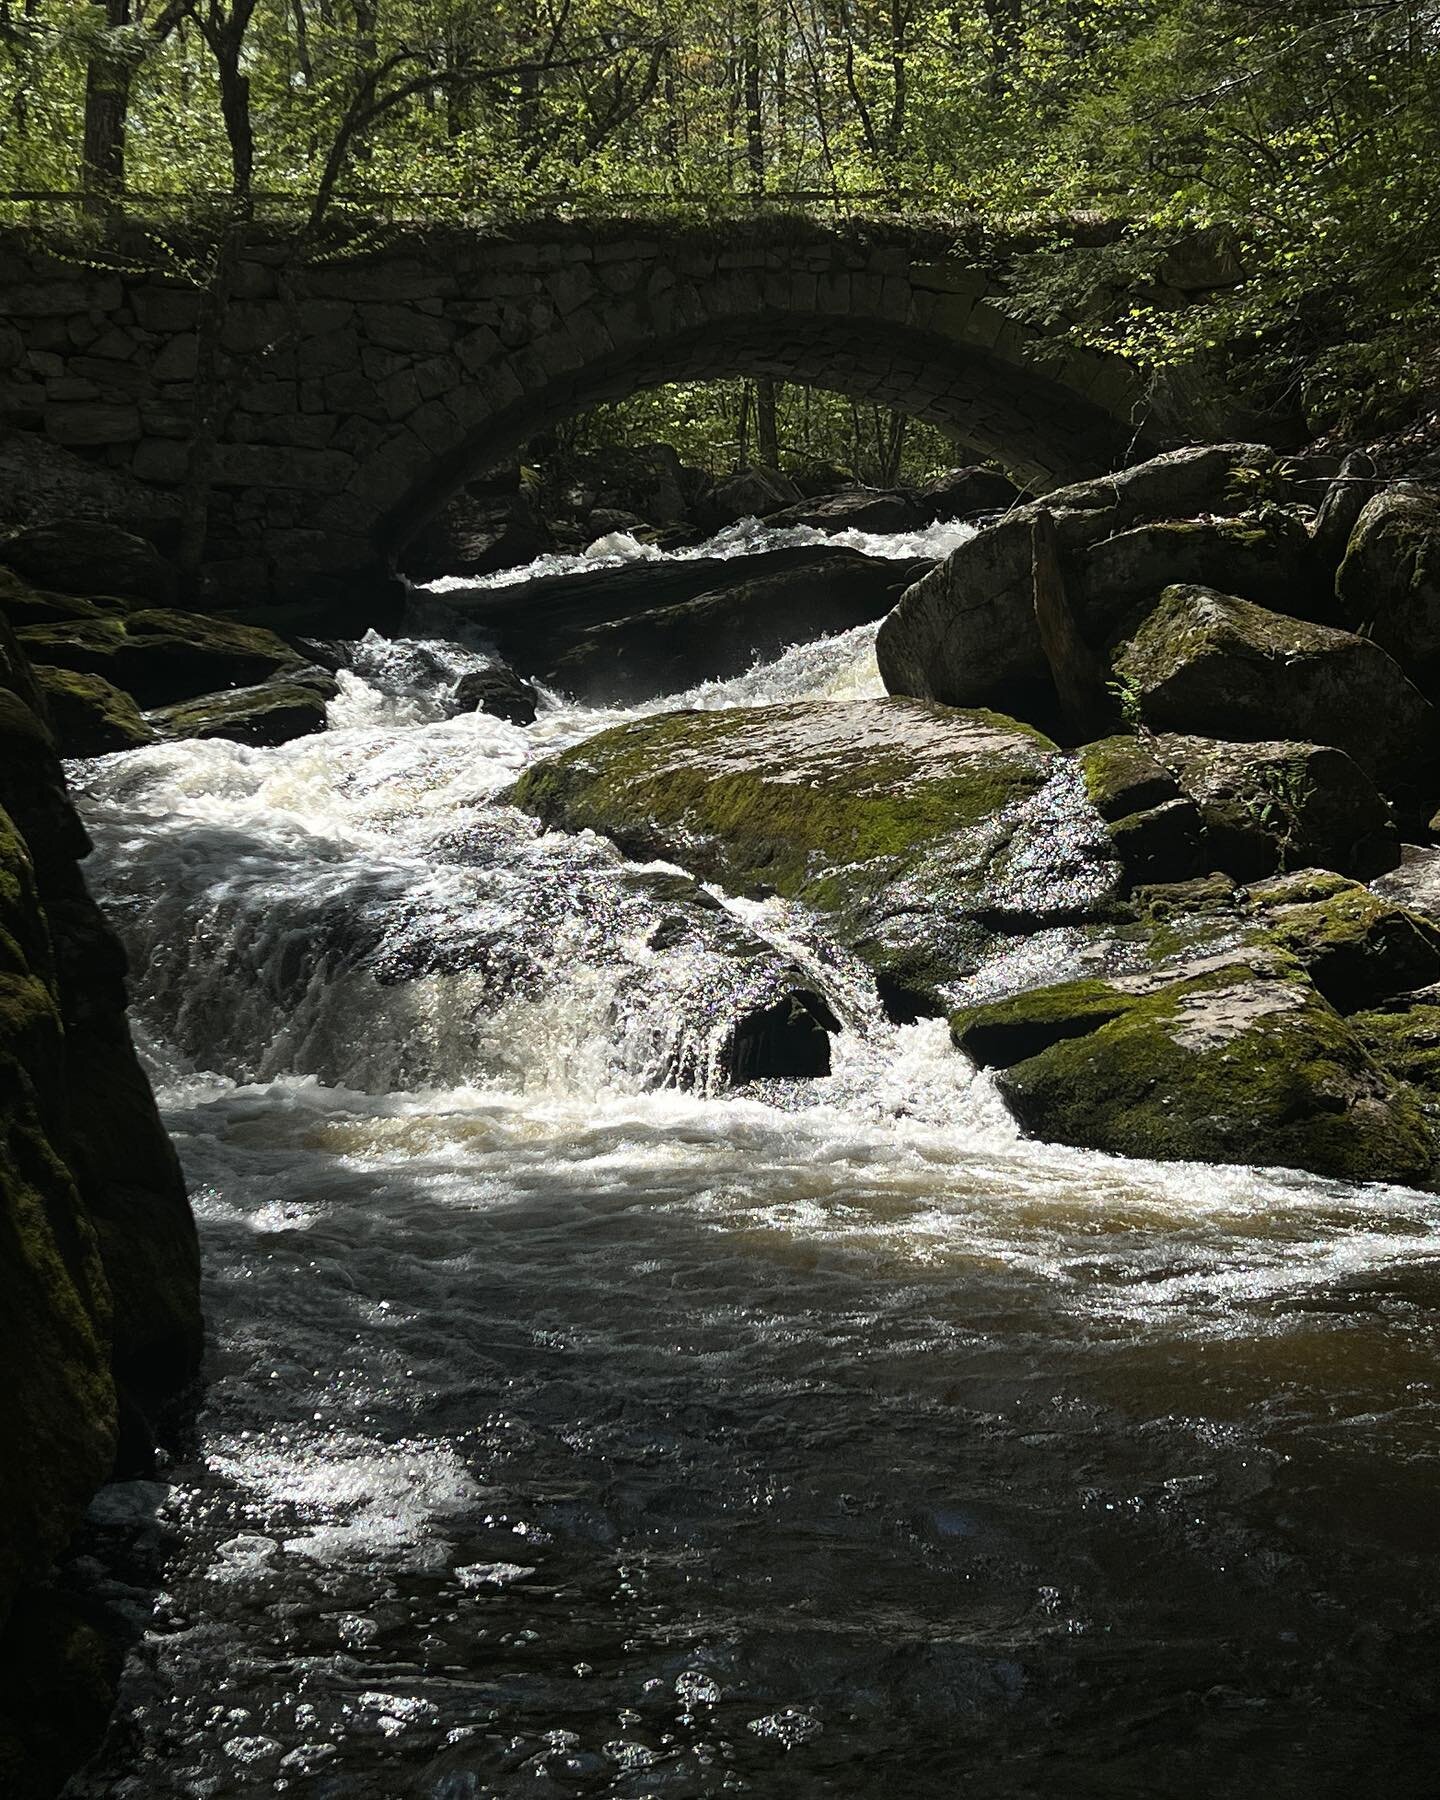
[[354, 392]]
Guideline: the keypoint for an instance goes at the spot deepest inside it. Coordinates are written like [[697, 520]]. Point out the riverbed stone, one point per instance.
[[927, 833], [497, 690], [160, 655], [264, 715], [1213, 663], [1357, 947], [1233, 1058], [1388, 585], [90, 716]]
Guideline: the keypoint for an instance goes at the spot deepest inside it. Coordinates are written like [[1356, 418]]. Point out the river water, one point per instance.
[[572, 1431]]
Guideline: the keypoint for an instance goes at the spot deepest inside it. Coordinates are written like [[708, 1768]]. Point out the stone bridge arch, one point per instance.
[[361, 392]]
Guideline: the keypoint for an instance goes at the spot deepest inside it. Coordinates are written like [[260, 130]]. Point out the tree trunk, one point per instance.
[[107, 104], [767, 436], [235, 109]]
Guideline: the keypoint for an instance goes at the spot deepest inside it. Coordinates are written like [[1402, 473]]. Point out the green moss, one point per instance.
[[757, 801], [1357, 947], [1243, 1063], [999, 1033], [90, 716], [1123, 777], [1406, 1043]]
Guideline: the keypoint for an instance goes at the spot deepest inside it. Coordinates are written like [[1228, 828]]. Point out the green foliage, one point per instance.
[[1266, 165]]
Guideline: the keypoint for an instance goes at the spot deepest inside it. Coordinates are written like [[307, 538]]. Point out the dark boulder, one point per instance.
[[966, 494], [1211, 663], [1388, 585], [498, 691], [854, 509], [87, 556]]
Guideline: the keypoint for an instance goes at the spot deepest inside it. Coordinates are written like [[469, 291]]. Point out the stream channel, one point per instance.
[[571, 1430]]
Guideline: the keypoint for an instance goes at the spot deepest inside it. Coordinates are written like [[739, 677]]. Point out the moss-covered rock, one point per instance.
[[1388, 585], [1206, 662], [271, 713], [1405, 1040], [159, 656], [922, 830], [1357, 947], [1235, 1058], [88, 716], [22, 603], [1180, 806]]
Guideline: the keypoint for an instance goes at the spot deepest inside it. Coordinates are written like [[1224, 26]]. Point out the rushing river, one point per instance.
[[572, 1432]]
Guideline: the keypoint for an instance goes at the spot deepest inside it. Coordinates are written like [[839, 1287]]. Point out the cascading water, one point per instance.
[[578, 1426]]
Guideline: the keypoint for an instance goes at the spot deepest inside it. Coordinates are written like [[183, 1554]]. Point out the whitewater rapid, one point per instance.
[[571, 1429]]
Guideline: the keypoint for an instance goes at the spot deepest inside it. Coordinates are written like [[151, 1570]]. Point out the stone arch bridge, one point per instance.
[[354, 394]]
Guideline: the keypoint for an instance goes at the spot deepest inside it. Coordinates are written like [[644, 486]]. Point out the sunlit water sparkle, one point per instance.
[[570, 1435]]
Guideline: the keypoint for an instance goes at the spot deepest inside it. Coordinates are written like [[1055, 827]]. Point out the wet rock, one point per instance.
[[966, 493], [1232, 1058], [653, 628], [99, 1282], [498, 691], [264, 715], [787, 1039], [160, 656], [1207, 662], [23, 604], [87, 556], [925, 833], [89, 716], [854, 509], [1388, 585]]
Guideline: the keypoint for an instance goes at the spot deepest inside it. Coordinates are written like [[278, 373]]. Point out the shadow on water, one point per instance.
[[614, 1492]]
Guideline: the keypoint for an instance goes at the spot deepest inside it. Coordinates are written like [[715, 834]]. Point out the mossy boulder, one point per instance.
[[966, 633], [924, 831], [1232, 1058], [160, 657], [89, 556], [265, 715], [499, 691], [88, 715], [1388, 585], [1404, 1038], [1357, 947], [1211, 663], [1178, 807]]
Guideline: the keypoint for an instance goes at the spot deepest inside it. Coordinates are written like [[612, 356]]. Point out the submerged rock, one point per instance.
[[1207, 662], [652, 628], [1232, 1058]]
